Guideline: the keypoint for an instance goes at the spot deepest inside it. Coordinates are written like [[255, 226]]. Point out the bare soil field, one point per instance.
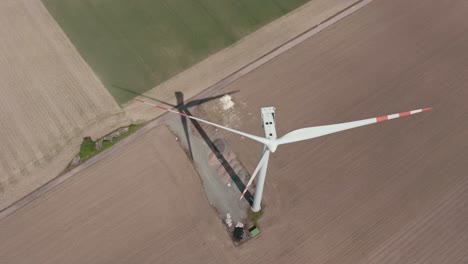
[[395, 192], [49, 100], [143, 204]]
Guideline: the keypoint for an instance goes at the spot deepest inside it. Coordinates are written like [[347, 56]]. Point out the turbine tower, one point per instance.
[[271, 142]]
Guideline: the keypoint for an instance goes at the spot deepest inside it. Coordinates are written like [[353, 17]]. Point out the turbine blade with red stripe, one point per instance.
[[318, 131], [264, 158]]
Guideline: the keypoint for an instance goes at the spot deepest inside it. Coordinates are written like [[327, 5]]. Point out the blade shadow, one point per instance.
[[232, 174], [189, 104], [181, 107], [184, 108], [142, 95]]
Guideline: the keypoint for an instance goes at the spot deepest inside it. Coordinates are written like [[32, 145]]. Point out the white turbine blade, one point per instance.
[[256, 138], [264, 158], [318, 131]]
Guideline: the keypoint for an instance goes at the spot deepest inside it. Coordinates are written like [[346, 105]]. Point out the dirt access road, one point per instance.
[[390, 193], [49, 100]]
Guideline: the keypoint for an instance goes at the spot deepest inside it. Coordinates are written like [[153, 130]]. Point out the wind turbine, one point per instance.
[[271, 142]]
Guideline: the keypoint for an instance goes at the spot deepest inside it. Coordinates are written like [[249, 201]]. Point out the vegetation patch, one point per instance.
[[135, 45], [90, 148]]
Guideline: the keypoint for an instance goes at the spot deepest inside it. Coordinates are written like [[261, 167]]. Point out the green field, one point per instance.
[[136, 44]]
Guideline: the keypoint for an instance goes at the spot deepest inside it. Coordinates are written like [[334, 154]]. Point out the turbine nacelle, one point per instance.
[[269, 126]]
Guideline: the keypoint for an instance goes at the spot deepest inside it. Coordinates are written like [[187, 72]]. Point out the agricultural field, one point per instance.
[[394, 192], [135, 45], [49, 100]]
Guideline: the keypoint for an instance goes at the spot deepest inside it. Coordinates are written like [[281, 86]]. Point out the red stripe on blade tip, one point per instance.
[[174, 111], [161, 107], [426, 109], [382, 118]]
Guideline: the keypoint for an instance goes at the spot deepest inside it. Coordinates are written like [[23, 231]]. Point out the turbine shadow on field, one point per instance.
[[184, 108]]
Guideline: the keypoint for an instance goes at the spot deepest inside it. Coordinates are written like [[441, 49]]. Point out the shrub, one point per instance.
[[88, 148]]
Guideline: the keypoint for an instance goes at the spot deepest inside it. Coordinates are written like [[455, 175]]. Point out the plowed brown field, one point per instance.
[[143, 204], [394, 192], [49, 100]]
